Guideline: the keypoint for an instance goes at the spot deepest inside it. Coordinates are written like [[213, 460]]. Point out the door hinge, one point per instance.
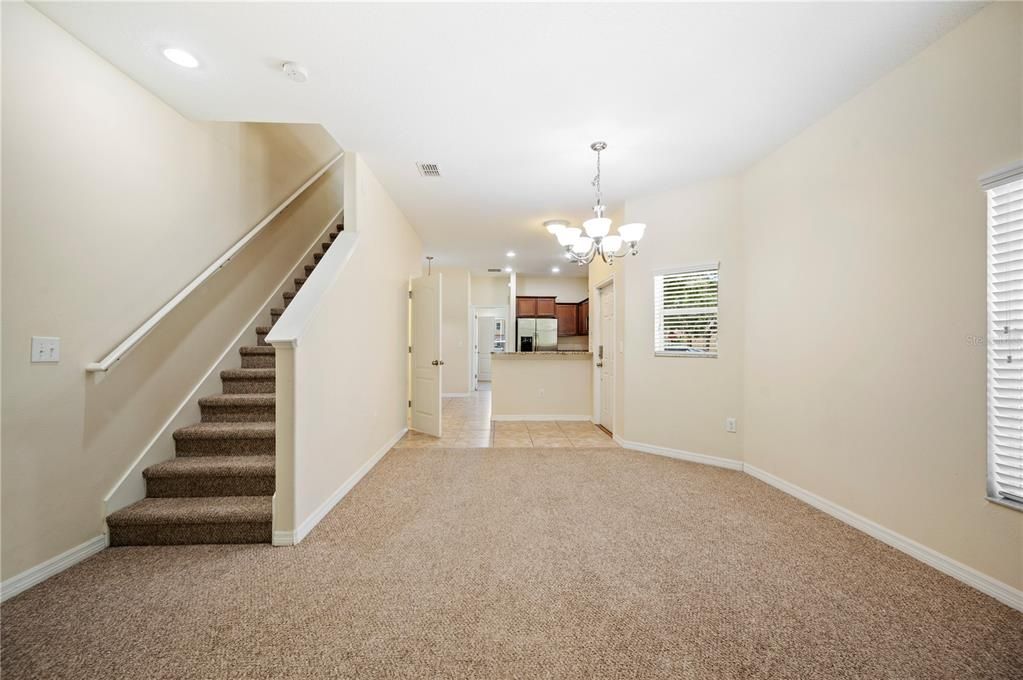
[[410, 403], [410, 349], [410, 295]]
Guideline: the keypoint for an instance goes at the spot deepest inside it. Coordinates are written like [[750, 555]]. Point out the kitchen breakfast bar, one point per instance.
[[554, 385]]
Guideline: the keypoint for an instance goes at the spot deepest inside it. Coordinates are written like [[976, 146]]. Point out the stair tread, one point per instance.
[[195, 510], [257, 349], [288, 295], [213, 466], [277, 310], [238, 400], [233, 430], [262, 330], [248, 373]]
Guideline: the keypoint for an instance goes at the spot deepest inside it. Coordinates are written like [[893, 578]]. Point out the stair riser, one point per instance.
[[309, 269], [274, 318], [257, 361], [237, 414], [187, 534], [249, 386], [262, 446], [261, 340], [194, 487]]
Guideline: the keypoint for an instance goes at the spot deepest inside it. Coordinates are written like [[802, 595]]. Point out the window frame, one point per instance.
[[685, 269], [1008, 175]]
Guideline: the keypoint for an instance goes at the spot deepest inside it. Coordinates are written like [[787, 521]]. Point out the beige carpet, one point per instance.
[[529, 563]]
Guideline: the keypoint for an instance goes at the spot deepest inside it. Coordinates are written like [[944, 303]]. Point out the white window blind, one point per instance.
[[1005, 340], [686, 312]]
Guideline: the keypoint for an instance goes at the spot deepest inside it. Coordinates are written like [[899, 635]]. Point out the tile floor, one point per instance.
[[466, 424]]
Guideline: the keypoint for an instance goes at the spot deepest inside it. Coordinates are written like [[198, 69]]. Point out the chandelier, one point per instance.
[[580, 248]]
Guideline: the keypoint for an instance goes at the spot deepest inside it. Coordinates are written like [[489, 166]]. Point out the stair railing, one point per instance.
[[142, 331]]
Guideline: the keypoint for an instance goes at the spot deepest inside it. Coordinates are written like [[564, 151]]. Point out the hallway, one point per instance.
[[467, 423]]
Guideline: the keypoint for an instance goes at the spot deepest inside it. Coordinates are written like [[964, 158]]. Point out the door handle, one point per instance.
[[600, 364], [436, 362]]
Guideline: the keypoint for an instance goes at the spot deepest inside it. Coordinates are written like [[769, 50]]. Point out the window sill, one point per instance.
[[1018, 507], [691, 355]]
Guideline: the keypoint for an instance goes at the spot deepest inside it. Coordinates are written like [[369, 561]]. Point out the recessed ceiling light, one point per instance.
[[555, 269], [507, 269], [510, 253], [180, 57]]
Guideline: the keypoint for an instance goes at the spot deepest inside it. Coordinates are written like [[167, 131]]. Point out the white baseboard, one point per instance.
[[540, 417], [307, 525], [989, 586], [51, 567], [716, 461]]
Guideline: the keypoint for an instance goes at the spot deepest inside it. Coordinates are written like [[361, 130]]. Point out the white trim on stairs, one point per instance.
[[282, 538], [1002, 592], [131, 486], [51, 567]]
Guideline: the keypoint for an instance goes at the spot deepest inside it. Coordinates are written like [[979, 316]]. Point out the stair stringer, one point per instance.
[[131, 487]]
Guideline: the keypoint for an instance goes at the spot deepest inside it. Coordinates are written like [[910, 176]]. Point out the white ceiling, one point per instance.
[[507, 98]]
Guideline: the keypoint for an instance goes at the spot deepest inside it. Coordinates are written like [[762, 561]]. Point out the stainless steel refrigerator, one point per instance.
[[537, 335]]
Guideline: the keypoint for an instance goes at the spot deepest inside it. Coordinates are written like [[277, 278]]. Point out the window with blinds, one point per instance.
[[1005, 339], [686, 312]]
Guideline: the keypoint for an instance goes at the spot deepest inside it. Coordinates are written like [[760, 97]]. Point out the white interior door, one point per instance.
[[427, 364], [606, 356], [485, 326]]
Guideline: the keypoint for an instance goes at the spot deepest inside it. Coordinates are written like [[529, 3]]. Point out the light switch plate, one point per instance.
[[45, 350], [730, 425]]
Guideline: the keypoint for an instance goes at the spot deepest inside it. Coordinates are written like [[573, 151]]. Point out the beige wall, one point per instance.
[[456, 330], [543, 387], [490, 291], [865, 259], [682, 402], [112, 202], [349, 388], [564, 288]]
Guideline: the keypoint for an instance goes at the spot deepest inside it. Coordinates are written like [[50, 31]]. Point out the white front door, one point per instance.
[[426, 359], [485, 342], [606, 356]]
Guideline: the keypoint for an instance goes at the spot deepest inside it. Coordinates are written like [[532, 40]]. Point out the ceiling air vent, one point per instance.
[[428, 169], [494, 271]]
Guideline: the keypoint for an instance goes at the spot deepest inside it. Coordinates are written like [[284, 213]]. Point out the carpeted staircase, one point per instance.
[[220, 486]]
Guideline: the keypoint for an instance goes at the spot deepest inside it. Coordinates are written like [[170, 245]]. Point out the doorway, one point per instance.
[[604, 345], [426, 362], [489, 334]]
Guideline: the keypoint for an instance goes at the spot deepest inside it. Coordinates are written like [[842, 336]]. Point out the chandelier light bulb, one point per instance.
[[582, 245], [554, 226], [598, 227], [631, 233], [611, 244], [568, 235]]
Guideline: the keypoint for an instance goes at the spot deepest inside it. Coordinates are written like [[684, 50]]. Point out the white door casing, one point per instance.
[[427, 364], [606, 356]]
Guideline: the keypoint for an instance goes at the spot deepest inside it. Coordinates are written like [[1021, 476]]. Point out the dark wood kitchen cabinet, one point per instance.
[[532, 307], [525, 307], [546, 307], [568, 319], [583, 318]]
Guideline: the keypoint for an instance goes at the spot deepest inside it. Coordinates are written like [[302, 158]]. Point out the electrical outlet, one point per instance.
[[730, 425], [45, 350]]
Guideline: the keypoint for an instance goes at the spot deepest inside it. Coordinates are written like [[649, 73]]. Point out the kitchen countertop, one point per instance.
[[560, 354]]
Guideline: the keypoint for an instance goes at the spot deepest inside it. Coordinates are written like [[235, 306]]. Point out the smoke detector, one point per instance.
[[295, 72], [428, 169]]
